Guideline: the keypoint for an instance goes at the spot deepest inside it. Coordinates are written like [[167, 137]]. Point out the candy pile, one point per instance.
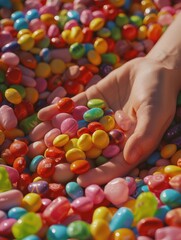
[[50, 51]]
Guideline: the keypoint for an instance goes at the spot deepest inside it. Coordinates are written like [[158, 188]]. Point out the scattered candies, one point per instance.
[[49, 52]]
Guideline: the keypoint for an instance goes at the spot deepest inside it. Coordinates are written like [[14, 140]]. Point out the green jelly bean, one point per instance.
[[79, 230], [29, 223], [5, 183], [96, 103], [109, 58], [121, 19], [136, 20], [44, 43], [93, 114], [115, 33], [104, 33], [29, 123], [101, 160], [77, 50]]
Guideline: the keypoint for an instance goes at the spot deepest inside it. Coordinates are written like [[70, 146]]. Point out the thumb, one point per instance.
[[148, 132]]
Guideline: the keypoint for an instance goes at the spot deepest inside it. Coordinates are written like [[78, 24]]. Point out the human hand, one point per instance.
[[146, 92]]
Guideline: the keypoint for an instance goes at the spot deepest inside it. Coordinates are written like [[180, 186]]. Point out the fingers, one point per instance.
[[117, 167], [149, 130]]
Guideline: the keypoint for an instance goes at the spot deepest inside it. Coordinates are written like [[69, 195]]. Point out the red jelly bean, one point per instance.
[[85, 75], [7, 156], [14, 75], [18, 148], [55, 190], [66, 105], [88, 34], [46, 168], [93, 126], [157, 183], [173, 217], [27, 59], [110, 12], [80, 166], [19, 164], [23, 182], [73, 87], [148, 226], [82, 131], [129, 32], [54, 152]]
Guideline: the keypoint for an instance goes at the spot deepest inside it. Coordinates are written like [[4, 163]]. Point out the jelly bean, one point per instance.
[[18, 148], [118, 220], [8, 119], [80, 166], [56, 232], [100, 229], [124, 233], [168, 232], [6, 225], [175, 182], [96, 24], [114, 188], [111, 151], [162, 211], [10, 59], [172, 217], [74, 154], [46, 167], [3, 215], [16, 212], [69, 126], [31, 202], [4, 180], [9, 199], [85, 142], [96, 103], [102, 213], [94, 57], [100, 139], [39, 187], [95, 193], [93, 114], [28, 224], [78, 229], [170, 197], [149, 223], [56, 211], [168, 150], [32, 237], [94, 152], [108, 123], [61, 140], [74, 190]]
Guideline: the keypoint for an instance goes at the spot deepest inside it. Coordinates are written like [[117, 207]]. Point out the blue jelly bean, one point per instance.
[[82, 123], [123, 218], [161, 212], [93, 114], [110, 25], [127, 4], [145, 188], [5, 3], [34, 163], [20, 24], [57, 232], [32, 14], [72, 14], [88, 47], [45, 54], [11, 47], [153, 158], [16, 15], [16, 212], [31, 237], [171, 197], [74, 190]]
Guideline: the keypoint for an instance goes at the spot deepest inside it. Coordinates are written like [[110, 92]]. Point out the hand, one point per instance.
[[147, 93]]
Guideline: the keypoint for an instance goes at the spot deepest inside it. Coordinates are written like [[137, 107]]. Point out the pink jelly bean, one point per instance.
[[62, 53], [56, 211], [9, 199], [10, 58], [53, 31], [70, 24], [6, 226], [47, 113], [95, 193], [168, 233], [48, 9], [82, 204], [3, 216], [123, 120], [12, 172], [36, 148], [58, 92], [45, 202], [5, 38], [62, 173], [26, 71], [86, 17], [41, 84], [69, 126], [44, 95], [36, 24], [111, 151], [78, 112], [162, 3], [98, 14], [50, 136], [28, 81], [117, 191], [39, 131], [8, 119], [131, 184]]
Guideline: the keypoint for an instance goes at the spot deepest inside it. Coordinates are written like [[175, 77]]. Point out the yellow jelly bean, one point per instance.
[[66, 36], [100, 139], [107, 122], [76, 34], [31, 202], [22, 32], [37, 179], [175, 157], [2, 137], [48, 19], [146, 4], [13, 96], [38, 34], [32, 95], [102, 213], [168, 150], [61, 140], [100, 45], [150, 18], [94, 57], [71, 144], [100, 229], [172, 170], [142, 32], [14, 133], [84, 142], [43, 70], [57, 66], [123, 234], [130, 204], [96, 24], [94, 152], [26, 42], [75, 154]]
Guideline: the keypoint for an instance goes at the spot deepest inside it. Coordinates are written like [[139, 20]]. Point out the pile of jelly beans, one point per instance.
[[51, 50]]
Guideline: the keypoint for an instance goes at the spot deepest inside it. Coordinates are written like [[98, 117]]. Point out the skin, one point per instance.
[[146, 90]]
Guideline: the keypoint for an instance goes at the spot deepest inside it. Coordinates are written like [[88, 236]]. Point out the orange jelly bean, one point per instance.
[[66, 105], [80, 166]]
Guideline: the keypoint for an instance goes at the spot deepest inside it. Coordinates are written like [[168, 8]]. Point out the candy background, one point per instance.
[[51, 51]]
